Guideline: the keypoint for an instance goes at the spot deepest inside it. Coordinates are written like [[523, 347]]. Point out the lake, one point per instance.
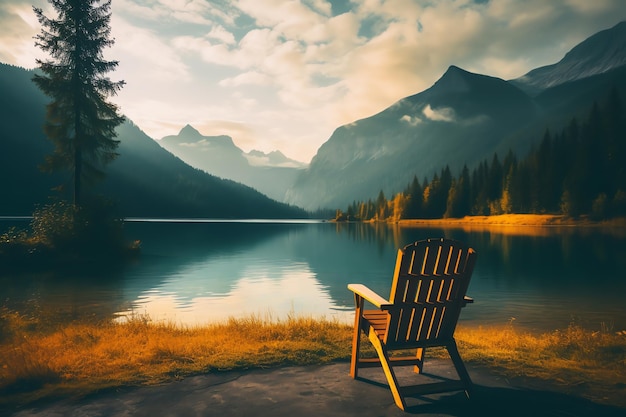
[[194, 272]]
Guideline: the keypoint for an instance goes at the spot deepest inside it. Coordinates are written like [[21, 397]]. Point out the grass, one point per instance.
[[523, 224], [572, 356], [42, 360]]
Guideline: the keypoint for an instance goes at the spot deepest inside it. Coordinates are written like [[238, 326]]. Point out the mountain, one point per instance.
[[273, 159], [457, 121], [145, 179], [598, 54], [462, 119], [272, 174]]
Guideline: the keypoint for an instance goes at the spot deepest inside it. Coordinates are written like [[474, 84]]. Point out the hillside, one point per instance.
[[145, 180], [271, 174], [598, 54], [461, 120]]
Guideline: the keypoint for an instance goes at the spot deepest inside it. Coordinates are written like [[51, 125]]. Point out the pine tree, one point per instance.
[[495, 179], [79, 121], [381, 206], [415, 191], [453, 201], [616, 146], [459, 203]]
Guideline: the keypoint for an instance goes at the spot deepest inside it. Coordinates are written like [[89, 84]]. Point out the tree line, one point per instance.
[[579, 171]]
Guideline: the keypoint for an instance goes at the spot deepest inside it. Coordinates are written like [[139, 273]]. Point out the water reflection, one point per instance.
[[201, 272], [263, 295]]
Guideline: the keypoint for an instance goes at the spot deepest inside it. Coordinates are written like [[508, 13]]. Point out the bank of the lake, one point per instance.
[[534, 220], [532, 279], [38, 362]]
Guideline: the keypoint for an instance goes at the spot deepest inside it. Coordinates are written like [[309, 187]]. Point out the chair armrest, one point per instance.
[[467, 300], [369, 295]]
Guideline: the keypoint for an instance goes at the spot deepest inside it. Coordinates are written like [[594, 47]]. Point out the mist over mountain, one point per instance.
[[272, 174], [273, 159], [461, 120], [145, 180]]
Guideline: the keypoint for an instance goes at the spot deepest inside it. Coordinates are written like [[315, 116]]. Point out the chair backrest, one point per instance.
[[428, 290]]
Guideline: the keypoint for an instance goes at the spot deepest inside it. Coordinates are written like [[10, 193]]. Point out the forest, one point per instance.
[[579, 171]]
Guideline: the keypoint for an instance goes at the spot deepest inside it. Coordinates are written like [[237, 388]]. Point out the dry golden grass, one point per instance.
[[521, 224], [591, 355], [42, 361], [82, 357]]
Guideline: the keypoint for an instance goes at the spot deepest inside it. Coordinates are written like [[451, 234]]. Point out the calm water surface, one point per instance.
[[198, 272]]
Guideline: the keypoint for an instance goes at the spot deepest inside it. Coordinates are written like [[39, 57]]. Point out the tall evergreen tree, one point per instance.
[[494, 179], [381, 205], [415, 191], [459, 202], [479, 189], [80, 122]]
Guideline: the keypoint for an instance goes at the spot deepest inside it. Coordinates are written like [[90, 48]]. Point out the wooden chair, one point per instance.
[[427, 293]]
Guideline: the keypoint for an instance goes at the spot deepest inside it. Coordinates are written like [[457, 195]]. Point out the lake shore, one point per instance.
[[522, 224], [536, 220], [41, 361]]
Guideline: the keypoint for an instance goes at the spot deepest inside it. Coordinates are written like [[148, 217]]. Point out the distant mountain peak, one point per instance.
[[274, 158], [189, 132]]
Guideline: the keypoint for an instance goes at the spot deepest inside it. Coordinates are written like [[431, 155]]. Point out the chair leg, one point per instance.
[[389, 373], [356, 346], [356, 336], [460, 367], [419, 355]]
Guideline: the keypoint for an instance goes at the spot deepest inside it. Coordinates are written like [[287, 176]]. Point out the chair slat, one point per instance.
[[422, 293], [431, 260], [453, 263], [418, 255], [418, 318], [438, 320], [445, 252], [411, 290]]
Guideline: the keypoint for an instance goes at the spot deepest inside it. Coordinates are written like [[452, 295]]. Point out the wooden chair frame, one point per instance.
[[427, 293]]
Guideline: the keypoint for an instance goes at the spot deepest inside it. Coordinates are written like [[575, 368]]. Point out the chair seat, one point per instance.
[[377, 319]]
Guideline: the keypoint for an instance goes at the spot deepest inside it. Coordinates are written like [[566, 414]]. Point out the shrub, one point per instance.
[[62, 232]]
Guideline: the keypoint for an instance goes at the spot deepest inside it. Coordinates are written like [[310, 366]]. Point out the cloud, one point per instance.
[[448, 115], [594, 7], [412, 120], [246, 78], [142, 53], [291, 19], [19, 25], [242, 133], [221, 34], [283, 74], [250, 52], [198, 12], [442, 114], [203, 145]]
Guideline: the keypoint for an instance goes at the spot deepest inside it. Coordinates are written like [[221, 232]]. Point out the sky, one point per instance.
[[284, 74]]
